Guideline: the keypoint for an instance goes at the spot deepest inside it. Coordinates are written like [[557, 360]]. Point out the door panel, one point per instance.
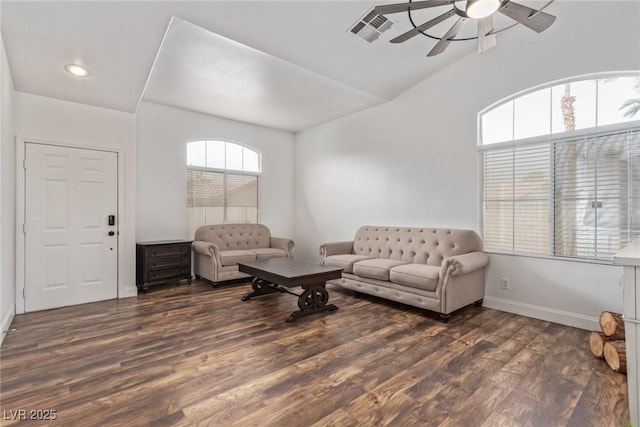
[[69, 256]]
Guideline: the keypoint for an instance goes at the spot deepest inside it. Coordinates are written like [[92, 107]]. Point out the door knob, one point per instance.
[[111, 233]]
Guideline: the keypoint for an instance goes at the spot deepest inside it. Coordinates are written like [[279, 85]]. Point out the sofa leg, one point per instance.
[[444, 318], [478, 303], [215, 284]]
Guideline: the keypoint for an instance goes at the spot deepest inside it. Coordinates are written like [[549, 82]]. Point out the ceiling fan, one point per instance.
[[481, 11]]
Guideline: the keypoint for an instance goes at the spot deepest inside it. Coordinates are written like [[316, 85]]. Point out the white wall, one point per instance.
[[7, 199], [413, 161], [43, 119], [162, 134]]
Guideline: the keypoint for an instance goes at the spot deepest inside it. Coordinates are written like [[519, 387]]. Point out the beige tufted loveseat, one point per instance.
[[437, 269], [219, 248]]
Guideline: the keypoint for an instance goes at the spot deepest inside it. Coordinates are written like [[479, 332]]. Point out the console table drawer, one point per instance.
[[155, 263], [162, 262], [167, 274], [167, 251]]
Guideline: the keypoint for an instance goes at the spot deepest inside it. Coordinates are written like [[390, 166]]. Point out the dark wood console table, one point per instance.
[[276, 274], [162, 261]]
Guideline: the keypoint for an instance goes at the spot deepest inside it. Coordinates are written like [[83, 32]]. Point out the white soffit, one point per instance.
[[199, 70], [116, 41]]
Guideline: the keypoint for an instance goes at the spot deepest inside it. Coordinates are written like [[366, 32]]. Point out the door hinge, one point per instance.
[[24, 293], [24, 228], [24, 163]]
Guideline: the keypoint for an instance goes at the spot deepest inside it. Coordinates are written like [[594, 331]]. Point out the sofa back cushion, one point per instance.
[[235, 236], [415, 245]]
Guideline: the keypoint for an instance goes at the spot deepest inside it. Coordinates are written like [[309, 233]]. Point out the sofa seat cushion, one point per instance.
[[419, 276], [345, 261], [268, 253], [235, 256], [376, 268]]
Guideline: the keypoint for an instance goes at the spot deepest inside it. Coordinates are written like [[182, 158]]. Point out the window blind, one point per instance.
[[516, 199], [575, 197], [242, 198], [596, 189], [217, 197]]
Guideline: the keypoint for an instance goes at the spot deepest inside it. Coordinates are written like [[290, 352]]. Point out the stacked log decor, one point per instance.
[[609, 344], [615, 353], [596, 344], [612, 325]]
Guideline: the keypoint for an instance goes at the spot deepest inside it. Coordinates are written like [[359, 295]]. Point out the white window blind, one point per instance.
[[597, 186], [219, 197], [576, 197], [222, 184], [516, 199], [242, 198]]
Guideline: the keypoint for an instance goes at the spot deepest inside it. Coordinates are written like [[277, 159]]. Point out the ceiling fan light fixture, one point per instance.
[[77, 70], [478, 9]]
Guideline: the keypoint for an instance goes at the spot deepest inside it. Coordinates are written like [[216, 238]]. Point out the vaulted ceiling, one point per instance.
[[284, 64]]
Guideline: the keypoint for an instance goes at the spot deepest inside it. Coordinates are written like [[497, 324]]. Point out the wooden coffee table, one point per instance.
[[276, 274]]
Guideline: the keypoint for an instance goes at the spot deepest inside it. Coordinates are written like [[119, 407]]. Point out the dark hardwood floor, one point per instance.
[[194, 355]]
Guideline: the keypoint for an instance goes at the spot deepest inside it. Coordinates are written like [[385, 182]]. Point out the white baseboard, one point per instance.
[[128, 292], [544, 313], [6, 322]]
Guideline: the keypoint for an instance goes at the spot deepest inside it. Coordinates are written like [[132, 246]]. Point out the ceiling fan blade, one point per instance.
[[486, 38], [403, 7], [530, 18], [414, 32], [446, 39]]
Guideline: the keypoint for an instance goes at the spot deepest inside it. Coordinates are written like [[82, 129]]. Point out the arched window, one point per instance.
[[222, 183], [560, 169], [570, 105]]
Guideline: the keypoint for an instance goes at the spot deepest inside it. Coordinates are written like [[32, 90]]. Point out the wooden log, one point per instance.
[[612, 325], [615, 354], [596, 344]]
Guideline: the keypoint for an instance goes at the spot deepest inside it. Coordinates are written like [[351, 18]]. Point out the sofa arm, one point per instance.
[[335, 248], [284, 244], [463, 264], [207, 248]]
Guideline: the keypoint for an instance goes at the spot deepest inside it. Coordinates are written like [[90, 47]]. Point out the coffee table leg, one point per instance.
[[313, 300], [261, 287]]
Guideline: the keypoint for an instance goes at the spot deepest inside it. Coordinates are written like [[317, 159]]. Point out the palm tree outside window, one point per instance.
[[560, 169]]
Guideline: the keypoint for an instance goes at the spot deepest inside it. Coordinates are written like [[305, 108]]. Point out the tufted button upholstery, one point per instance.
[[235, 236], [436, 269], [415, 245], [218, 248]]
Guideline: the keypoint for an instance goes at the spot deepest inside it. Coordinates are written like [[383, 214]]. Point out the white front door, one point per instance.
[[71, 250]]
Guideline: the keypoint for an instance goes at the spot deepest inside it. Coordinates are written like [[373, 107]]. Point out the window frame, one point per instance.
[[551, 139], [581, 135], [550, 85], [226, 141], [226, 172]]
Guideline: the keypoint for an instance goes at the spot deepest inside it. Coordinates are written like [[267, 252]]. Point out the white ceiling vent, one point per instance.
[[370, 26]]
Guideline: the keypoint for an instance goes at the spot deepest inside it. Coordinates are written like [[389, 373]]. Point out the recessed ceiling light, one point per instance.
[[77, 70]]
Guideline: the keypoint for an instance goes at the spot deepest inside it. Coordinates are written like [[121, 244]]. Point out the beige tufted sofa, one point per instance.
[[219, 248], [437, 269]]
